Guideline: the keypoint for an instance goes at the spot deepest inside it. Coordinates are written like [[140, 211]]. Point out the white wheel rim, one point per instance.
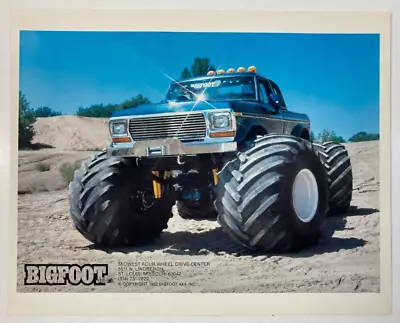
[[305, 195]]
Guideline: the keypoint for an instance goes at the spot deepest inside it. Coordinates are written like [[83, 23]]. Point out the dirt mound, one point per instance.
[[72, 133]]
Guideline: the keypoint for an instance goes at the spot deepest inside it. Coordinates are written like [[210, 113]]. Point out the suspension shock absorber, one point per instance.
[[214, 171], [157, 187]]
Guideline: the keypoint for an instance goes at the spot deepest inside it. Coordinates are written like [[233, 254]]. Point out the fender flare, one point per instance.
[[301, 131], [253, 127]]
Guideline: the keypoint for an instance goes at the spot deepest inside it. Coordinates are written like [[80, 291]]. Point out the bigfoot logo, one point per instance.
[[63, 274]]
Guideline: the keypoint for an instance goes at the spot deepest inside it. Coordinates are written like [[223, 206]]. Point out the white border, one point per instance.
[[204, 4]]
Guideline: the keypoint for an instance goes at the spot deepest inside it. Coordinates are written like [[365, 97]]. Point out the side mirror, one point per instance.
[[276, 100]]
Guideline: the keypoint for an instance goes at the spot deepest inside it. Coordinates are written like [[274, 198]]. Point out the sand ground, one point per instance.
[[196, 256]]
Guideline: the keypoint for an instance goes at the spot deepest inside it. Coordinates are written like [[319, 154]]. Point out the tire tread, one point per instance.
[[336, 160], [247, 200]]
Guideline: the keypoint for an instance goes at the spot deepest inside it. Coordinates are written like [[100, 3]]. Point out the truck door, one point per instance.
[[288, 118], [270, 117]]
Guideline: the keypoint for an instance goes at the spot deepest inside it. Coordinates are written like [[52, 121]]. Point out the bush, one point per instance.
[[363, 136], [67, 171], [46, 112], [25, 123], [327, 135], [42, 167]]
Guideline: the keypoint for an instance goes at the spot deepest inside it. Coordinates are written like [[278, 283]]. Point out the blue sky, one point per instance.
[[334, 78]]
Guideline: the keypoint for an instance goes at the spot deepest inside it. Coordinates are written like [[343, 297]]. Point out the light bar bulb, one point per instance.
[[252, 69]]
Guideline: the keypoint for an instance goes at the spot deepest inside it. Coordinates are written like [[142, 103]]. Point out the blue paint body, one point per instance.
[[254, 116]]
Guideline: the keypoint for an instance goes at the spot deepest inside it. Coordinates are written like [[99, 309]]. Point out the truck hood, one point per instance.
[[168, 107]]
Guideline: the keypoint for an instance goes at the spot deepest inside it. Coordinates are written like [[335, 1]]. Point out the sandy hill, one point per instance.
[[72, 132]]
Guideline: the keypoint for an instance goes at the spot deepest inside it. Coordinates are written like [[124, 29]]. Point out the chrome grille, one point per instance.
[[186, 127]]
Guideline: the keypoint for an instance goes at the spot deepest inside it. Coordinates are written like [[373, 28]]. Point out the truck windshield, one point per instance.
[[214, 88]]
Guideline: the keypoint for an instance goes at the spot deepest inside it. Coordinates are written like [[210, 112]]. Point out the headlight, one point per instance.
[[220, 121], [118, 127]]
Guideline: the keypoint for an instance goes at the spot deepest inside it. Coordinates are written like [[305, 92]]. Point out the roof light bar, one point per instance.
[[241, 69]]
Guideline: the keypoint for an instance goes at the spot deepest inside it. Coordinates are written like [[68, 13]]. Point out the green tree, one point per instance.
[[186, 73], [134, 102], [105, 111], [201, 66], [327, 135], [46, 112], [25, 124], [364, 136], [312, 136], [96, 111]]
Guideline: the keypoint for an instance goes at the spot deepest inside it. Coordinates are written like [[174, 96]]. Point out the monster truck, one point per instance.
[[221, 146]]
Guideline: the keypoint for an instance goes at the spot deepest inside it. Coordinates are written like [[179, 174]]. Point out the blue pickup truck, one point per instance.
[[222, 146]]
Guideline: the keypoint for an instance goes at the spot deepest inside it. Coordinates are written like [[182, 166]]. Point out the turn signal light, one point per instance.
[[222, 134], [122, 139]]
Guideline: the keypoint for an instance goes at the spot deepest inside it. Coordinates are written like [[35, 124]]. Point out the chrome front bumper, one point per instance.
[[169, 147]]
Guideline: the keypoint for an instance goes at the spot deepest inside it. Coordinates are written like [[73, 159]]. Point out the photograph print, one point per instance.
[[198, 162]]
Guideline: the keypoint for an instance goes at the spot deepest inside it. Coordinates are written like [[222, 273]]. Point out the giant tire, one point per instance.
[[196, 211], [102, 208], [336, 160], [254, 195]]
